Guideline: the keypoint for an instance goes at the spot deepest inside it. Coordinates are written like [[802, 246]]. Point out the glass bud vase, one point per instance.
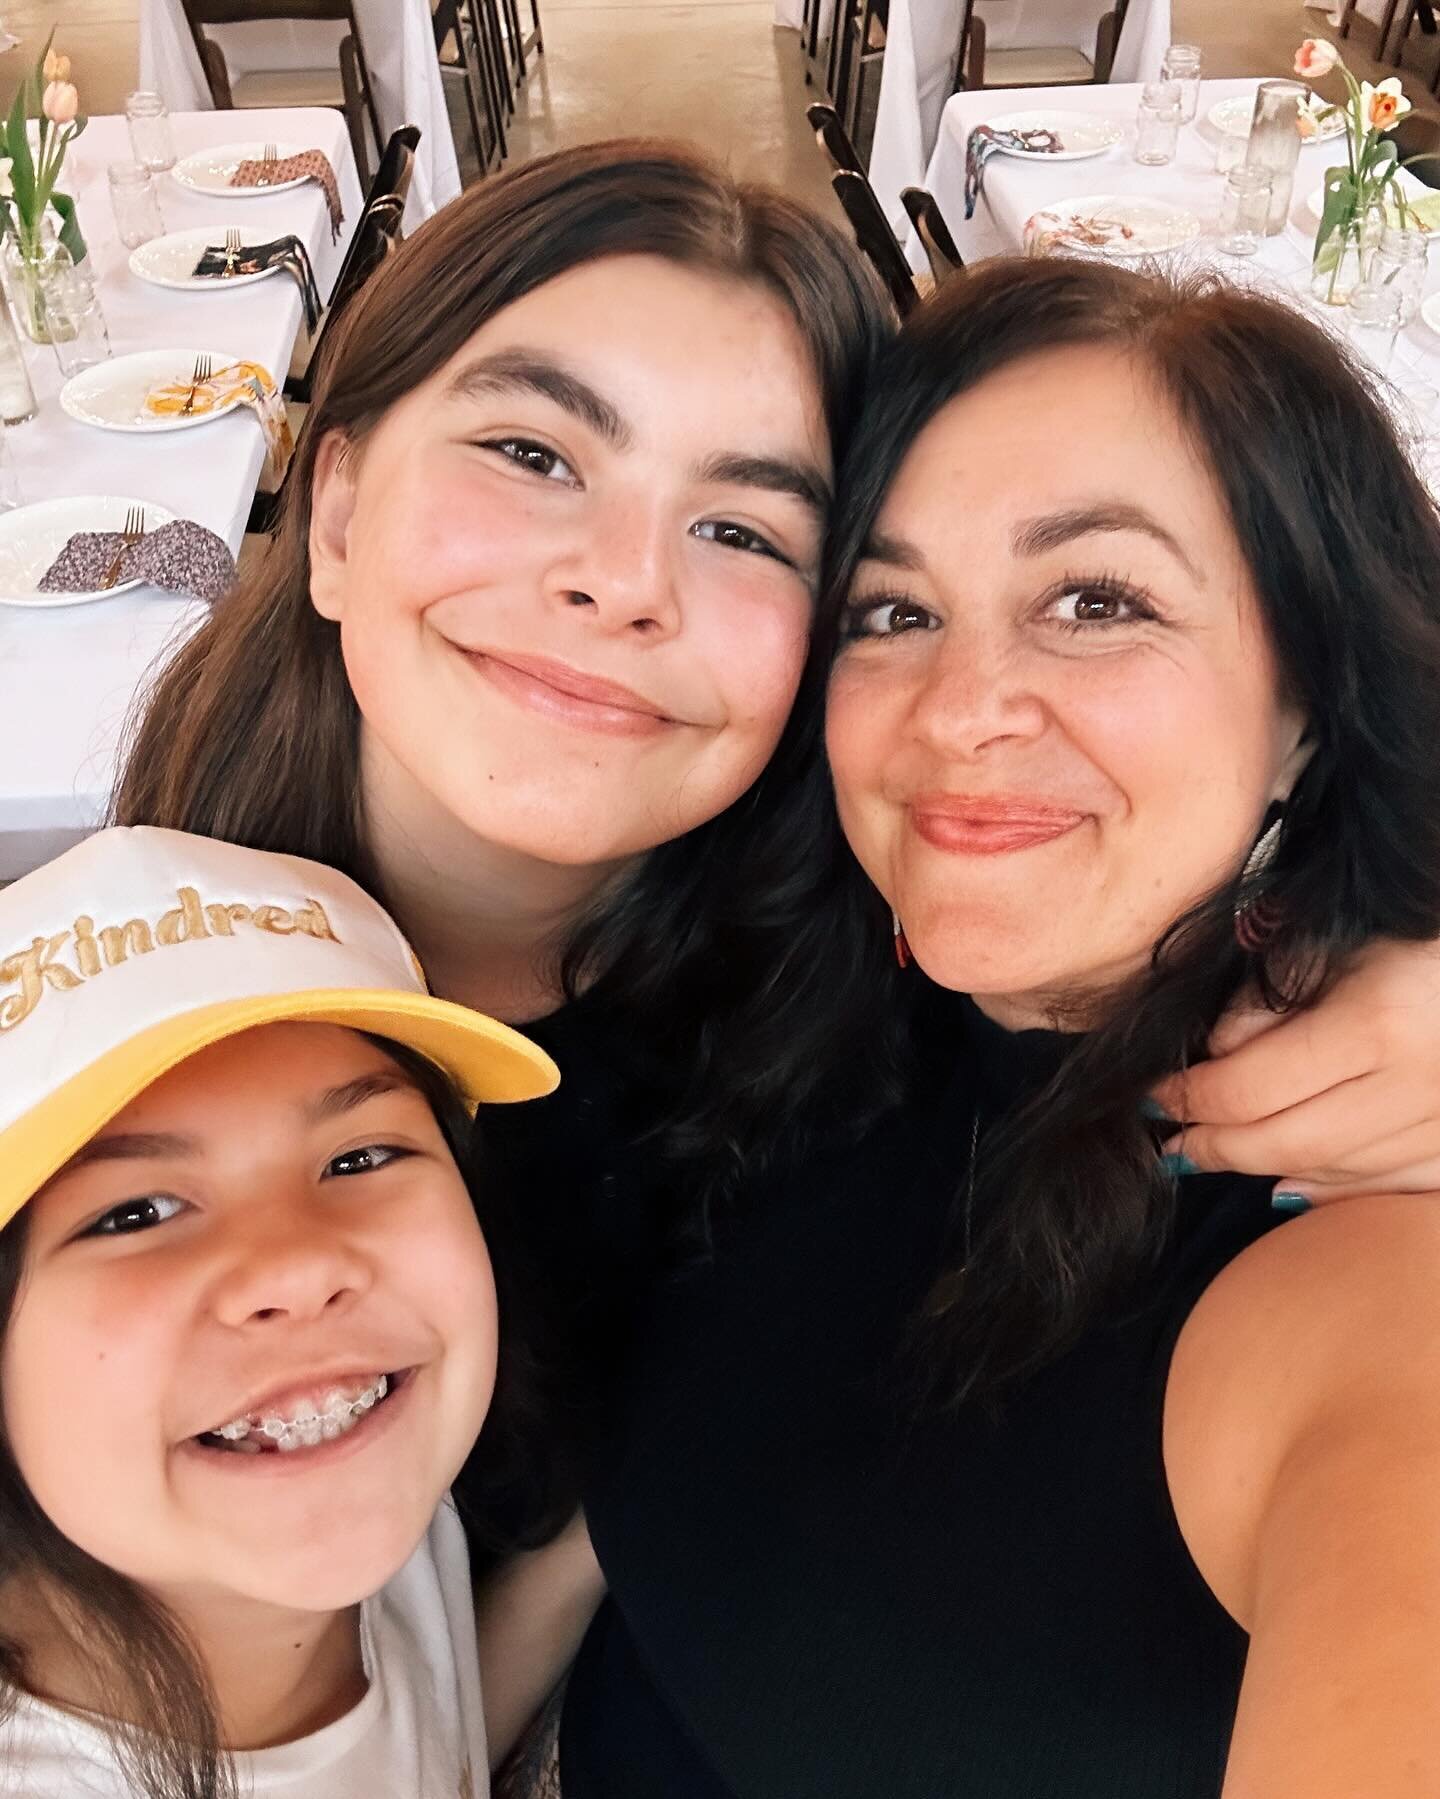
[[27, 267], [1344, 263]]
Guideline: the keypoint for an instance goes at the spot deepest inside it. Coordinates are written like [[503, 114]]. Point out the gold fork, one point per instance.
[[201, 373], [272, 154], [129, 537], [232, 248]]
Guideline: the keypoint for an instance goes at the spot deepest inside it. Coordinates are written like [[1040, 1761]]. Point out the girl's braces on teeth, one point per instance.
[[309, 1427]]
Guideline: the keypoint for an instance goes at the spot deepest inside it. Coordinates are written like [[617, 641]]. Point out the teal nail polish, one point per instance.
[[1152, 1109], [1177, 1163], [1291, 1204]]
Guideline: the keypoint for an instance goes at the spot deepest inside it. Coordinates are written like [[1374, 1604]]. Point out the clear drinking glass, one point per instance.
[[9, 480], [1244, 209], [1182, 66], [1274, 144], [1399, 263], [1157, 124], [135, 204], [1374, 324], [17, 396], [150, 136], [75, 320]]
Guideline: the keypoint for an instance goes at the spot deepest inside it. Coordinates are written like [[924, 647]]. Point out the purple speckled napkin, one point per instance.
[[182, 557]]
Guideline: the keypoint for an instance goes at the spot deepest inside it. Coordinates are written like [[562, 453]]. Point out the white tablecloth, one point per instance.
[[399, 48], [71, 674], [923, 41], [1015, 189]]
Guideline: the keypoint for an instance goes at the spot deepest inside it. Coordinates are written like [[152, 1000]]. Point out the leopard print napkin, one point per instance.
[[313, 165]]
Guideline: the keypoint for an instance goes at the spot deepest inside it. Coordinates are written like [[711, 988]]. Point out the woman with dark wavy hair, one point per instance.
[[990, 1457]]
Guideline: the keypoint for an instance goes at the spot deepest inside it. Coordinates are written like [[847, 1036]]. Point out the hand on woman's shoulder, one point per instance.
[[1302, 1450]]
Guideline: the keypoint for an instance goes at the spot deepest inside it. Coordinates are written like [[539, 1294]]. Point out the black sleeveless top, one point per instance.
[[818, 1592]]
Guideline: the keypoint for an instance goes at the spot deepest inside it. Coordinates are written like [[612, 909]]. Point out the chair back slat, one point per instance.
[[833, 138], [934, 234], [875, 238]]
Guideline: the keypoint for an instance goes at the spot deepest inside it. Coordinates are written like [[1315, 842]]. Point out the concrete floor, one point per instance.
[[717, 72]]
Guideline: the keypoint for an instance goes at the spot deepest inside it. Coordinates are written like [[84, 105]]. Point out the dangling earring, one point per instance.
[[902, 947], [1258, 920]]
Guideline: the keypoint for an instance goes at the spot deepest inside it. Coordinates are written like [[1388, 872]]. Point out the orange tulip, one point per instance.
[[56, 67]]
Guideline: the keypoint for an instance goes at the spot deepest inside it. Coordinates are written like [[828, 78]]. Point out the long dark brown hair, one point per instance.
[[1343, 545], [251, 733], [154, 1690]]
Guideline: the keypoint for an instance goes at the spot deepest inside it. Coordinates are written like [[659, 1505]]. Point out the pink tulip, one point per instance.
[[1315, 58], [61, 102]]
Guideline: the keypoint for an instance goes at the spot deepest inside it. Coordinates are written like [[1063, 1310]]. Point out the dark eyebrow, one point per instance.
[[126, 1146], [532, 371], [776, 475], [1034, 536], [895, 551], [336, 1101]]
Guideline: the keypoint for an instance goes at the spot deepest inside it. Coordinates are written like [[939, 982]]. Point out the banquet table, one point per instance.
[[71, 674], [922, 42], [1015, 189], [399, 46]]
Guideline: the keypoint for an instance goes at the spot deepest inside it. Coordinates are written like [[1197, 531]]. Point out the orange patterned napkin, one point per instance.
[[312, 165], [247, 382]]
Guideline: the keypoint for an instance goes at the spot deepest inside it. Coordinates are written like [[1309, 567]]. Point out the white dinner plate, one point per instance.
[[1415, 192], [1129, 224], [1430, 312], [31, 537], [170, 261], [209, 171], [1080, 135], [1233, 117], [112, 394]]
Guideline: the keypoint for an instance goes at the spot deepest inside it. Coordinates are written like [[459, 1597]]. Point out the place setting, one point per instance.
[[77, 550], [249, 170], [207, 257]]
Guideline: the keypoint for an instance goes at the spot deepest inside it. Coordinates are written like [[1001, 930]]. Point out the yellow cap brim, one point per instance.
[[486, 1060]]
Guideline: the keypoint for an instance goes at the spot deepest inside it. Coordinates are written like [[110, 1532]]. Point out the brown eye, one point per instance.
[[888, 618], [1080, 606]]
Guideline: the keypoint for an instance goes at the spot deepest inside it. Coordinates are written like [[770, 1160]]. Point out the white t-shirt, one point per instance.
[[418, 1732]]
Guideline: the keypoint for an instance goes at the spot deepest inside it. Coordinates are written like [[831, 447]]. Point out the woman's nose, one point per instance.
[[977, 694], [625, 576], [296, 1269]]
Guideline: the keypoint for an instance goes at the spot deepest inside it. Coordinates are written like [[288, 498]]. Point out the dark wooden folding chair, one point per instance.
[[934, 234], [875, 238], [1419, 136], [871, 27], [1060, 65], [463, 52], [833, 139], [377, 233], [350, 89]]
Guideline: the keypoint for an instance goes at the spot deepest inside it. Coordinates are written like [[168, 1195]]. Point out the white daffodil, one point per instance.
[[1383, 104]]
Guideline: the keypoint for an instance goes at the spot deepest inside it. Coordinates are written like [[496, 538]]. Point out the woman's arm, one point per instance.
[[530, 1616], [1339, 1099], [1303, 1454]]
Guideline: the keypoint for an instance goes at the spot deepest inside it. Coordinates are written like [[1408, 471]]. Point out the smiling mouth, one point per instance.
[[569, 696], [333, 1411]]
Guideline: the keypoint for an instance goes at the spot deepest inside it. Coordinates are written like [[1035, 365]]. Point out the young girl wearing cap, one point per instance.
[[247, 1334]]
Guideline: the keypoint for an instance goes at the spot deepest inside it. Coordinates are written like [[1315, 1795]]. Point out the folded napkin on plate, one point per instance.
[[1046, 232], [252, 386], [982, 144], [288, 253], [313, 165], [182, 557]]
